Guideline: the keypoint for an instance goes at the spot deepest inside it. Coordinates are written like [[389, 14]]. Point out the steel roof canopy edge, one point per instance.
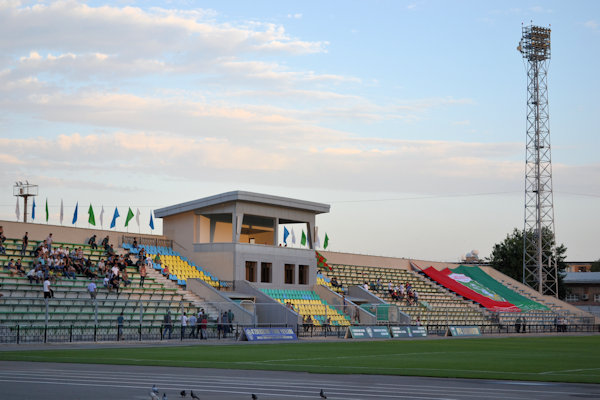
[[317, 208]]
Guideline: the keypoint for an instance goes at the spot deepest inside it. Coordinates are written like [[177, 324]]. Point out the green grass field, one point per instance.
[[566, 359]]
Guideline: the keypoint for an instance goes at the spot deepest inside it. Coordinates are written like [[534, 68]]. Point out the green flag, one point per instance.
[[326, 241], [303, 240], [91, 218], [129, 217], [46, 209]]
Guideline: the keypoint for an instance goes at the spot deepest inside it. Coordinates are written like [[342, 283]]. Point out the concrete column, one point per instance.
[[309, 234]]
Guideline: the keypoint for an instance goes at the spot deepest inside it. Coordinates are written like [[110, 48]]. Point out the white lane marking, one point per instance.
[[204, 381], [387, 355], [203, 390], [568, 370]]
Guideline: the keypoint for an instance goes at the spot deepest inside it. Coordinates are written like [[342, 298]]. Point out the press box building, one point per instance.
[[235, 236]]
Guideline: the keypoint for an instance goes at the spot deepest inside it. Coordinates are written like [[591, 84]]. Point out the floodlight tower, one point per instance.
[[25, 190], [539, 269]]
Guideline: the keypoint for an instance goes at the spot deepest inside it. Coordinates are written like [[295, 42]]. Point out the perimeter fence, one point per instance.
[[22, 334]]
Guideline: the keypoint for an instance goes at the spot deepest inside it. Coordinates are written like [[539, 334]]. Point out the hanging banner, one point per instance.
[[408, 331], [258, 334], [463, 331], [367, 332]]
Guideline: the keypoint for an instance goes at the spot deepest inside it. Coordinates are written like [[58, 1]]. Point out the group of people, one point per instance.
[[521, 325], [196, 326], [399, 292], [51, 263]]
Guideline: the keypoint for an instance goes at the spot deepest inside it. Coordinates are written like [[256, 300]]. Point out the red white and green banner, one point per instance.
[[322, 261]]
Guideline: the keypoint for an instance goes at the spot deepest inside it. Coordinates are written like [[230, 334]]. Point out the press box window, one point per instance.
[[265, 272], [289, 272], [251, 271], [303, 274]]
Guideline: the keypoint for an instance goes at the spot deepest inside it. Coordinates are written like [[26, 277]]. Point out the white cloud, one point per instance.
[[148, 32], [591, 24], [465, 122], [373, 165]]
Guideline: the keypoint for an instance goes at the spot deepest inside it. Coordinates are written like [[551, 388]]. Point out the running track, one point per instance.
[[28, 380]]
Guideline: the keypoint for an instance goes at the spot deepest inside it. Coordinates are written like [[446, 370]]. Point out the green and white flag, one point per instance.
[[91, 217], [129, 216], [303, 239], [326, 241]]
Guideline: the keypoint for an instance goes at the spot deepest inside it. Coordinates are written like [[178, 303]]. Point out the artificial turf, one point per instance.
[[565, 359]]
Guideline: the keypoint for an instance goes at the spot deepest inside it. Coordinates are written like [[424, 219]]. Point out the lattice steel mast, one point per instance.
[[539, 268]]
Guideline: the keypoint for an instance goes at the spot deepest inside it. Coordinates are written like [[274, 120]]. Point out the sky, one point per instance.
[[407, 117]]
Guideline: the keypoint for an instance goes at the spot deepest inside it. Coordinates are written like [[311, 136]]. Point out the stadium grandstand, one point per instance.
[[220, 266]]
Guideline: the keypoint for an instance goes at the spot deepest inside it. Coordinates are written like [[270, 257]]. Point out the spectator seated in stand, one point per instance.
[[114, 283], [166, 271], [70, 271], [92, 242], [105, 244], [32, 275], [125, 278], [335, 283], [110, 251], [101, 265], [12, 268], [19, 267]]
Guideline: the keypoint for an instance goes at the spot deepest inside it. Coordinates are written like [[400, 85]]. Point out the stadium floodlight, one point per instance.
[[539, 270], [25, 190]]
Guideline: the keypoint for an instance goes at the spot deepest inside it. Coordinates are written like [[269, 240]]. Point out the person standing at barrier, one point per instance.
[[198, 323], [167, 324], [203, 326], [224, 323], [192, 320], [524, 325], [120, 320], [230, 317], [518, 325], [184, 322]]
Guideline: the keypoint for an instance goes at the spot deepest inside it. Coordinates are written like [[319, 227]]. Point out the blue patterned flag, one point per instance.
[[114, 220], [151, 221], [286, 233], [75, 213]]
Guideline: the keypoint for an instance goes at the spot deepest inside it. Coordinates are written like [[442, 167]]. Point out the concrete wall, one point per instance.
[[278, 257], [269, 311], [366, 260], [437, 265], [335, 299], [67, 234], [180, 228], [220, 302]]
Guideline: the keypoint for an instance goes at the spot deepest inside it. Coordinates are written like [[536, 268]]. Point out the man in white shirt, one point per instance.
[[92, 289], [47, 289], [184, 320]]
